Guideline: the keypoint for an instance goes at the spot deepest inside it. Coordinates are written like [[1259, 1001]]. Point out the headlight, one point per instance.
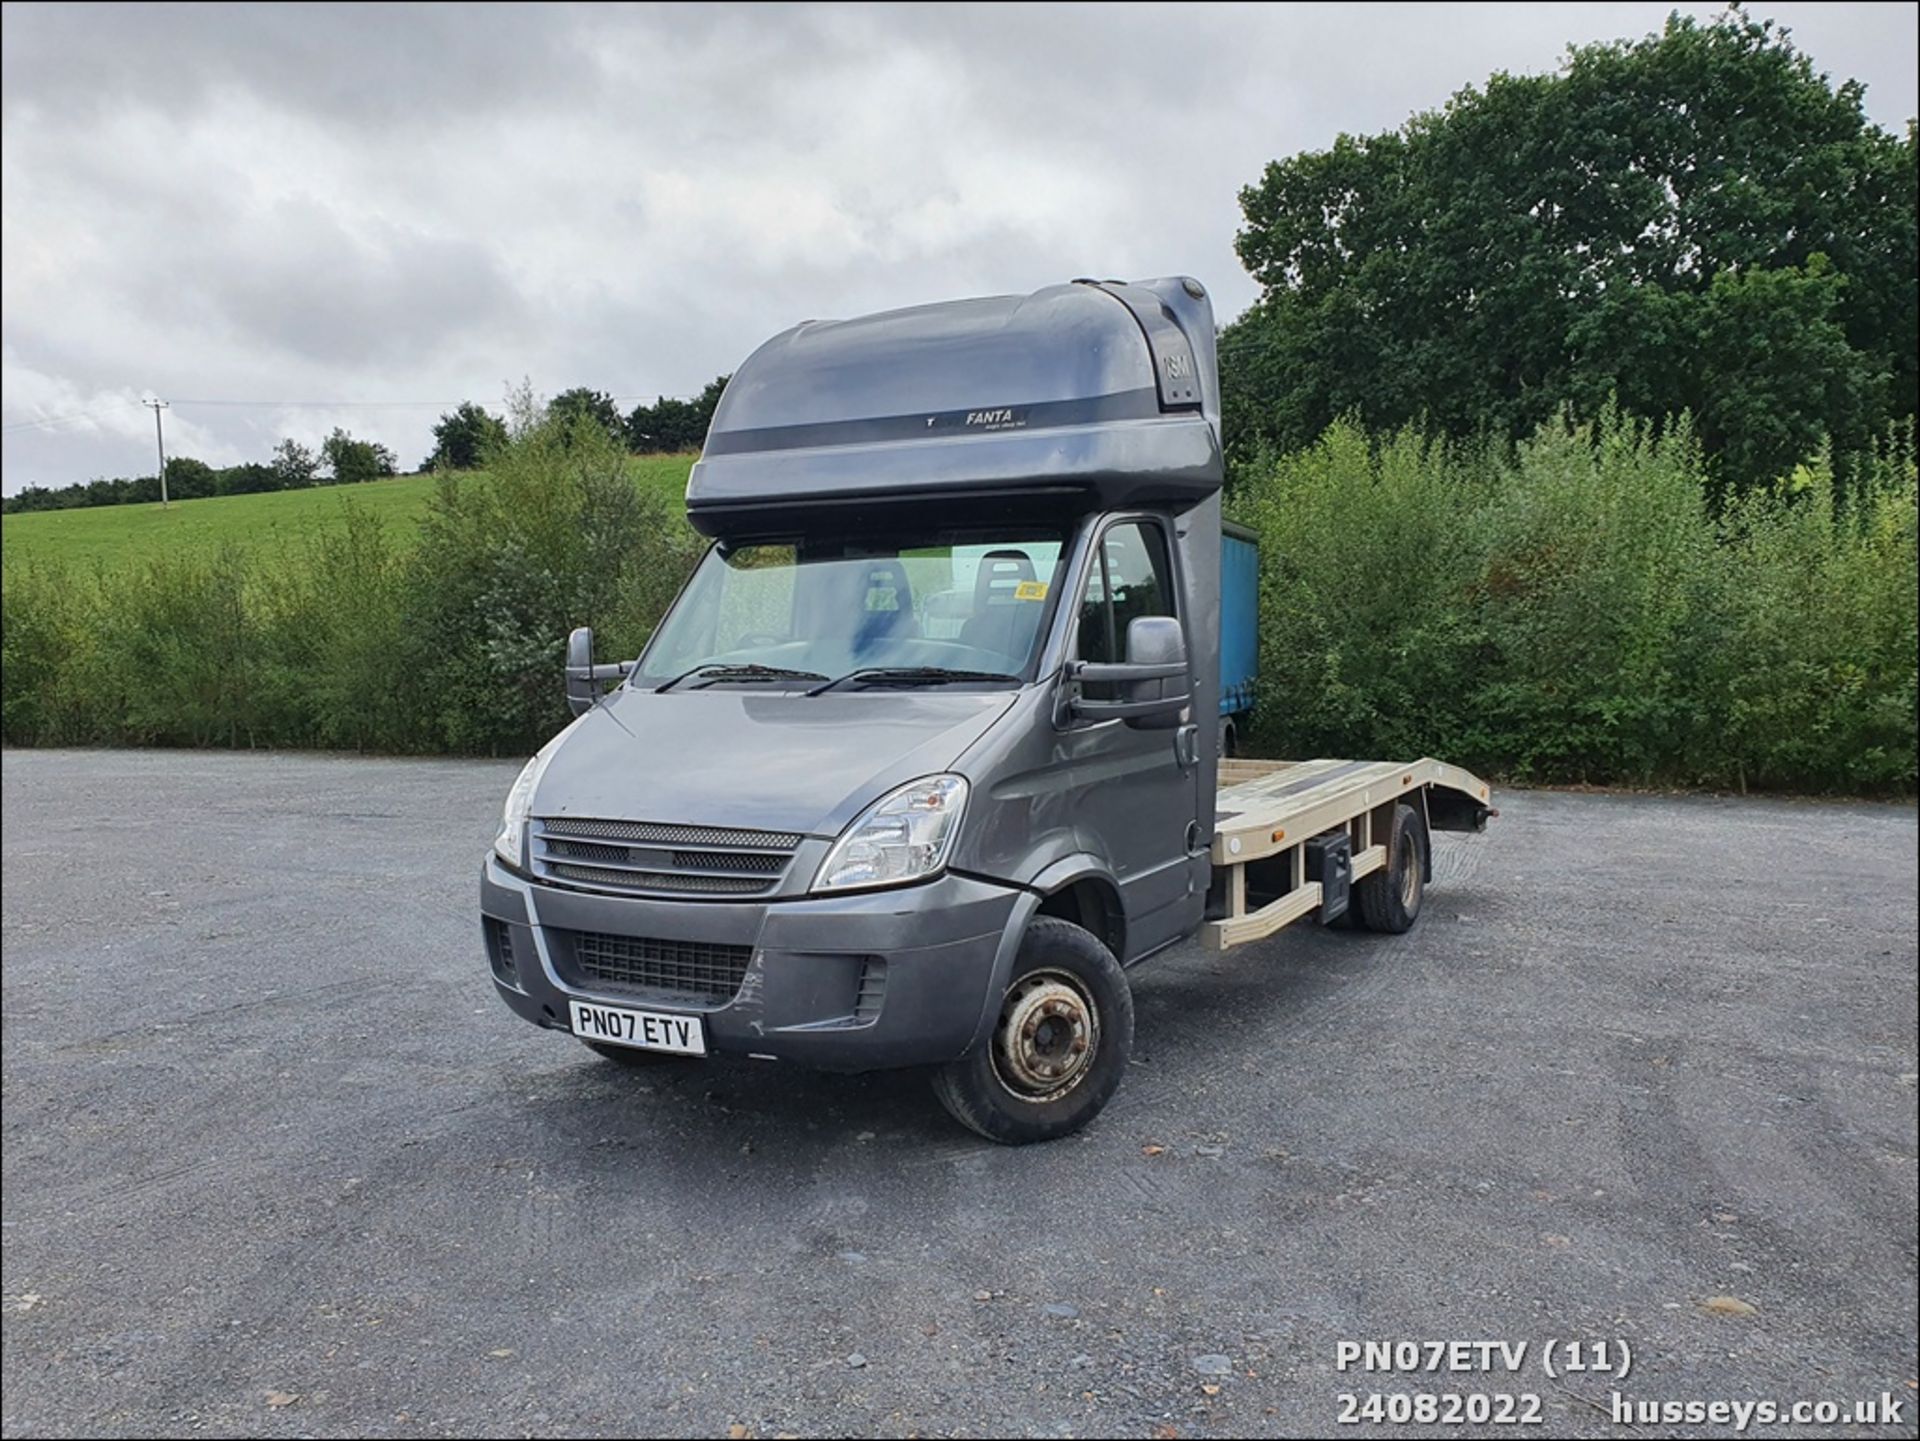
[[903, 836], [510, 845]]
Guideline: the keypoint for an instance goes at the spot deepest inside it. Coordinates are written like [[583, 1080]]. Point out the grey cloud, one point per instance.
[[298, 280], [400, 203], [354, 64]]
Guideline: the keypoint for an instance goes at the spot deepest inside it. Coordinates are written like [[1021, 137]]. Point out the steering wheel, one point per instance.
[[758, 637]]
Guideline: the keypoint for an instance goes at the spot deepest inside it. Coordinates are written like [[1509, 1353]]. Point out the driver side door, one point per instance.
[[1136, 787]]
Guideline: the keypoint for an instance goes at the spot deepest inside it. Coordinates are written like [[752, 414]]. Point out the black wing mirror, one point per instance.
[[584, 678], [1154, 686]]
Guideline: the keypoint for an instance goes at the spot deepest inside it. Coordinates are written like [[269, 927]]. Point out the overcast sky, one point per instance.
[[386, 208]]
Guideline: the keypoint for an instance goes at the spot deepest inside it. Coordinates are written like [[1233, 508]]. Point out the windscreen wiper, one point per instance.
[[909, 675], [711, 673]]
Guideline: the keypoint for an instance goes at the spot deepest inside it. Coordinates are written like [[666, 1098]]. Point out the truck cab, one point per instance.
[[924, 755]]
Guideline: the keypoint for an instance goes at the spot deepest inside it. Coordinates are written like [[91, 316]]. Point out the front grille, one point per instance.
[[762, 863], [697, 970], [647, 857]]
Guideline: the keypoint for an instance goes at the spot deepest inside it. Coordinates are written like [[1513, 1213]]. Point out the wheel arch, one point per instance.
[[1070, 888], [1081, 890]]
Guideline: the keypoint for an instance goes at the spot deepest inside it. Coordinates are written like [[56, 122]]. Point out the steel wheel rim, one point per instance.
[[1409, 874], [1047, 1036]]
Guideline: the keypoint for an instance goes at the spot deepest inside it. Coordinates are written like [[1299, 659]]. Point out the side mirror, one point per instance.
[[584, 678], [1155, 643], [1153, 682]]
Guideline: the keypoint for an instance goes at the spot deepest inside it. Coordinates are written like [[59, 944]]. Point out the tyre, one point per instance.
[[1389, 900], [632, 1057], [1058, 1047]]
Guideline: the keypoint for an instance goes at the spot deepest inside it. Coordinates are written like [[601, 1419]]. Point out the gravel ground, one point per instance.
[[277, 1161]]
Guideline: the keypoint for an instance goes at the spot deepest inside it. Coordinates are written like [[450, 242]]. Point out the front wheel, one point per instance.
[[1058, 1047]]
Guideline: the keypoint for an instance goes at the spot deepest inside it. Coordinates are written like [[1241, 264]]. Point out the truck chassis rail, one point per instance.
[[1267, 811]]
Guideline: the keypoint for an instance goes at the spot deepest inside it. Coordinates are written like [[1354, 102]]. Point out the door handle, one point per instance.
[[1186, 746]]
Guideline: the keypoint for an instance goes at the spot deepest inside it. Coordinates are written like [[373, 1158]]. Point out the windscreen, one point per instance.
[[959, 601]]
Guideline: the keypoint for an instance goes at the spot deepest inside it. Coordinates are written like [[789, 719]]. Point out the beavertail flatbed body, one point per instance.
[[1267, 811]]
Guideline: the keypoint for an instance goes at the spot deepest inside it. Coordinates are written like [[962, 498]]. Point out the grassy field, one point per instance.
[[116, 535]]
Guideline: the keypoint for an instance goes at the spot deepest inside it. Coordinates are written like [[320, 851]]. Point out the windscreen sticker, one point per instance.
[[1030, 590]]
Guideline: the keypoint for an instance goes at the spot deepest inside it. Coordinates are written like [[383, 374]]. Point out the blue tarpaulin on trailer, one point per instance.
[[1239, 619]]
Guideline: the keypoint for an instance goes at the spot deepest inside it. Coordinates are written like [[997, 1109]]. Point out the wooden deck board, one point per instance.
[[1263, 811]]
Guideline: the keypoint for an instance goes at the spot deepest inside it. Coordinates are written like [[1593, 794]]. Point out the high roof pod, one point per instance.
[[1095, 394]]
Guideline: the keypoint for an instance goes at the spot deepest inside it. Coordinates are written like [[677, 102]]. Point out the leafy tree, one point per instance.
[[102, 491], [673, 425], [351, 461], [1693, 221], [188, 479], [464, 437], [250, 478], [31, 498], [40, 497], [571, 409], [294, 466], [553, 535], [660, 427]]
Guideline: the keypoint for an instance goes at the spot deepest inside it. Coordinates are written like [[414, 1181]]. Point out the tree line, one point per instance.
[[1696, 222], [342, 459], [462, 440]]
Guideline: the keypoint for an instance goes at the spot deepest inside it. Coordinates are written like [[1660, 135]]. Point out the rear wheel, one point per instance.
[[1389, 899], [1058, 1048]]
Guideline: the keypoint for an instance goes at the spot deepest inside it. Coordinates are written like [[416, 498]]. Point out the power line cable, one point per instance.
[[320, 404], [364, 404], [48, 421]]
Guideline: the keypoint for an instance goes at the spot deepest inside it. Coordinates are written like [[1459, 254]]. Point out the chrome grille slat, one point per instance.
[[770, 852], [655, 870], [640, 881], [686, 863], [650, 833], [652, 857]]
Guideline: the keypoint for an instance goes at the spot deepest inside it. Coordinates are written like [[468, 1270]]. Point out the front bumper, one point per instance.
[[808, 992]]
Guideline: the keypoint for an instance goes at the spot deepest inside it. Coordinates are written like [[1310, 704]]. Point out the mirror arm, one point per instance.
[[1095, 672], [1100, 710]]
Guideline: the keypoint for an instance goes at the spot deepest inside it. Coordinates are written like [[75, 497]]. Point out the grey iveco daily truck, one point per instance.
[[927, 751]]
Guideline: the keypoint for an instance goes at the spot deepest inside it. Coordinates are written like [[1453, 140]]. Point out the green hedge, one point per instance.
[[1572, 613], [1569, 612], [454, 643]]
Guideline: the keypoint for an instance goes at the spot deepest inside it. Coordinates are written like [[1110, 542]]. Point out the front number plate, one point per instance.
[[645, 1030]]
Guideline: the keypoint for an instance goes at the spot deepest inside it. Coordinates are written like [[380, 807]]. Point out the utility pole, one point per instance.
[[157, 405]]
